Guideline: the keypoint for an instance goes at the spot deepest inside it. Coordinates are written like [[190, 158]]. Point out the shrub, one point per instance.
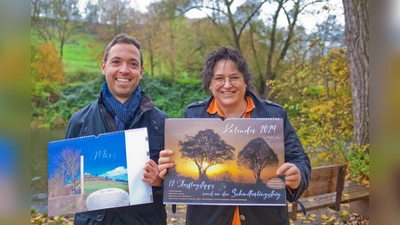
[[358, 164]]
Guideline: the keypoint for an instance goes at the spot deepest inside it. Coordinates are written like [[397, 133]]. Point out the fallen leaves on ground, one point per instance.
[[43, 219], [328, 216], [325, 216]]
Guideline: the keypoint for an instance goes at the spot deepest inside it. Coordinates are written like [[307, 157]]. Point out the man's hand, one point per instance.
[[150, 174]]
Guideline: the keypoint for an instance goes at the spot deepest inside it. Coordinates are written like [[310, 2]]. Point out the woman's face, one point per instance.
[[227, 84]]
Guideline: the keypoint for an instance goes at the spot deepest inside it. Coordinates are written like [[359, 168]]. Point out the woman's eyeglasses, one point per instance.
[[220, 80]]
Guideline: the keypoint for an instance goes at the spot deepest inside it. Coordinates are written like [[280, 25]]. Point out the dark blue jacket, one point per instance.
[[93, 120], [253, 215]]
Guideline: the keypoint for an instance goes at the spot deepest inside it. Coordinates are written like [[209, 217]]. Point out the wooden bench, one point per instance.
[[328, 188]]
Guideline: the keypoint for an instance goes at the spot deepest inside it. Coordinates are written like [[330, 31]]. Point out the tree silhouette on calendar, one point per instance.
[[256, 156], [206, 149]]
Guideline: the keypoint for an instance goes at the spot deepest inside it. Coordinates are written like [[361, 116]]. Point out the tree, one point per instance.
[[68, 161], [55, 19], [329, 34], [41, 18], [92, 11], [47, 73], [223, 15], [45, 65], [172, 42], [57, 184], [256, 156], [206, 149], [66, 16], [318, 100], [149, 35], [292, 18], [255, 48], [357, 38], [269, 74], [115, 13]]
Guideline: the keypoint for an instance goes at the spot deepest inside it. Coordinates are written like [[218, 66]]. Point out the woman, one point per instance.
[[226, 77]]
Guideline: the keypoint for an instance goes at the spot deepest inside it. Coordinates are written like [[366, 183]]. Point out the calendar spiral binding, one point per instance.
[[103, 134], [217, 119]]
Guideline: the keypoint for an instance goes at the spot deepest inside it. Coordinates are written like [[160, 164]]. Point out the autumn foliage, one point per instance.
[[47, 74], [46, 64], [318, 99]]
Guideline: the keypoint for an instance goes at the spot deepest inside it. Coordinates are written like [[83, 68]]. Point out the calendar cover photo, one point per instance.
[[90, 173], [230, 162]]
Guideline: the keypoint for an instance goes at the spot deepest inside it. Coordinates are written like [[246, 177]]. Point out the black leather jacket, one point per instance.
[[253, 215], [93, 120]]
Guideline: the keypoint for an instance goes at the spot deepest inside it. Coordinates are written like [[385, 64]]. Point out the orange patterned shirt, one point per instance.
[[214, 108]]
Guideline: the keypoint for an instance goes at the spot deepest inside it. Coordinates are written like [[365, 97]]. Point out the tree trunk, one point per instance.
[[357, 38], [291, 27], [260, 77], [150, 45], [269, 75], [235, 36]]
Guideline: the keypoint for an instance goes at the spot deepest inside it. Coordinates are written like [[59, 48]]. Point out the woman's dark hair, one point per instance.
[[225, 53]]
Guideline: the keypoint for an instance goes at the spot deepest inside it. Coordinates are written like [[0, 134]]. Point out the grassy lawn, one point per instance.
[[81, 54], [92, 186]]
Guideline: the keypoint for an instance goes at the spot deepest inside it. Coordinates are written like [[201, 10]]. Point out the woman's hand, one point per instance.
[[292, 174], [165, 162]]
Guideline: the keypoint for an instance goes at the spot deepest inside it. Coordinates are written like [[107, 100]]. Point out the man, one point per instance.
[[122, 105]]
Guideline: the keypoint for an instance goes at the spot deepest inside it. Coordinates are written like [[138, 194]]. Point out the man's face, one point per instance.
[[122, 70]]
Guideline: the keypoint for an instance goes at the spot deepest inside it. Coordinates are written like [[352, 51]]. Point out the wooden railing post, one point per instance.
[[339, 187], [293, 213]]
